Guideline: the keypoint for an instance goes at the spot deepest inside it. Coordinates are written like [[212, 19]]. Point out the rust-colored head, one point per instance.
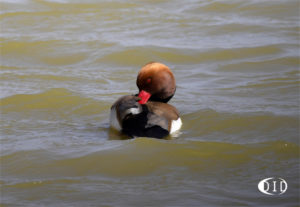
[[158, 80]]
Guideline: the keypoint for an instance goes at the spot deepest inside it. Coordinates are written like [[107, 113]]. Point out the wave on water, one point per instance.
[[138, 158], [57, 100]]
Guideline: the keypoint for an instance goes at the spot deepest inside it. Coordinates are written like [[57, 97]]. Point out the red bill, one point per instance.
[[144, 97]]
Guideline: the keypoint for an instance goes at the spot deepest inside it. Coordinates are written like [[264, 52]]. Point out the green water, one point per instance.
[[63, 63]]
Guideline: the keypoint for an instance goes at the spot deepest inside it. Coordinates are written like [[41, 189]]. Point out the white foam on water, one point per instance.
[[15, 1]]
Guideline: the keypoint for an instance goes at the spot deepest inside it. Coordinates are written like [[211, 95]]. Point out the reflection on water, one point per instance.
[[63, 63]]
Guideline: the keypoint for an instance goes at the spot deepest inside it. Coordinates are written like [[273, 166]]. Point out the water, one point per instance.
[[63, 63]]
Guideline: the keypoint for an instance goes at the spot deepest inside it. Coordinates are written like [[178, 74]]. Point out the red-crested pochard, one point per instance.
[[147, 114]]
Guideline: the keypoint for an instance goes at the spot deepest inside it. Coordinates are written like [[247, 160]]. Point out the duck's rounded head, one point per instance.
[[156, 80]]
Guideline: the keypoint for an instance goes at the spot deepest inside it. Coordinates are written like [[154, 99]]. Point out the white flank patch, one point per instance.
[[176, 125], [133, 111], [114, 123]]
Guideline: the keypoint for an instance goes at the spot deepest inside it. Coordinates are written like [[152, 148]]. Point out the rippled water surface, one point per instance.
[[63, 63]]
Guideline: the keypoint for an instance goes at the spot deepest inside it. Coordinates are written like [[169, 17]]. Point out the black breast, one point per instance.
[[142, 125]]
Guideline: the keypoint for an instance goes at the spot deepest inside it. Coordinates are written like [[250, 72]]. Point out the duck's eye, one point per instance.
[[149, 80]]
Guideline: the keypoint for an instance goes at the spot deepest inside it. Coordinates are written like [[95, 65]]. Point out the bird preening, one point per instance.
[[147, 114]]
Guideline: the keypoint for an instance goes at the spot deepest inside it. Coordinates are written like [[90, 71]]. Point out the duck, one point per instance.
[[148, 114]]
